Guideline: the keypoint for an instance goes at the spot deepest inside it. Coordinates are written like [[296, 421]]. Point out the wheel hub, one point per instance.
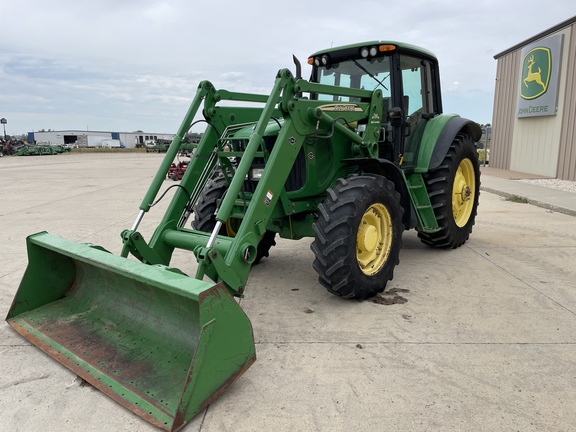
[[374, 239], [463, 192], [369, 238]]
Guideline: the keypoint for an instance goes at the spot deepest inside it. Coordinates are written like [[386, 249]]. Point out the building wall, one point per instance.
[[129, 139], [536, 140], [504, 114], [567, 152], [537, 145], [52, 138]]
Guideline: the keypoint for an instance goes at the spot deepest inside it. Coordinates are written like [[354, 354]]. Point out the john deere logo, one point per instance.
[[536, 69]]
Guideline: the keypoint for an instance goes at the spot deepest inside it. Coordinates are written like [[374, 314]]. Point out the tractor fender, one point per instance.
[[438, 136], [392, 172]]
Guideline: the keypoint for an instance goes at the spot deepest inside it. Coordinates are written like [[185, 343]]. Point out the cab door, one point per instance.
[[416, 99]]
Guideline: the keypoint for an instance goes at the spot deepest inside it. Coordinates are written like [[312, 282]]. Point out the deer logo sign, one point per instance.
[[537, 65]]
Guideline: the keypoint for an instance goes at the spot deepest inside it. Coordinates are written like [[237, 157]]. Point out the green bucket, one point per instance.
[[160, 343]]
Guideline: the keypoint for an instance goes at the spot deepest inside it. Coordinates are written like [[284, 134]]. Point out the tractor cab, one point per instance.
[[406, 75]]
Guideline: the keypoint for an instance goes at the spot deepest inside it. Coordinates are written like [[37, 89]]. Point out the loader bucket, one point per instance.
[[160, 343]]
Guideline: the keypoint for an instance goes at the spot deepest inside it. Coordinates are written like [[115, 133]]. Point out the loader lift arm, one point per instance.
[[226, 259]]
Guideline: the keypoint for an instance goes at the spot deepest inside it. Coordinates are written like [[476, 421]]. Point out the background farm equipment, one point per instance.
[[8, 148], [177, 170], [187, 148], [39, 150], [160, 146]]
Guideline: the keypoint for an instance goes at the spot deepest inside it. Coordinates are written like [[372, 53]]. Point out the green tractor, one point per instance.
[[352, 158], [369, 155]]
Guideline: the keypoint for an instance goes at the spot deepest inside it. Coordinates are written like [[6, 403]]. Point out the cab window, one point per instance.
[[361, 74], [417, 87]]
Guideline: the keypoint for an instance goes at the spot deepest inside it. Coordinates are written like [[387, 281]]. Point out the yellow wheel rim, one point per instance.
[[374, 239], [463, 192]]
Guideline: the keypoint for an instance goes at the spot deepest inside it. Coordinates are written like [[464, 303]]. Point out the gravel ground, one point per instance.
[[565, 185]]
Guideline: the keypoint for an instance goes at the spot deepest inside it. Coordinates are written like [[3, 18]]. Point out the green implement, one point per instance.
[[158, 342], [33, 150]]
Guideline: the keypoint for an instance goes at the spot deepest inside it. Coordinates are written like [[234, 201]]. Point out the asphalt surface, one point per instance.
[[480, 338]]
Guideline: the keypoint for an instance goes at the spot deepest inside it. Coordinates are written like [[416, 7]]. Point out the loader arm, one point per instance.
[[226, 259], [221, 258]]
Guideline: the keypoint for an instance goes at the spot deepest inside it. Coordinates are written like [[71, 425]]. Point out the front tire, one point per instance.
[[454, 189], [205, 217], [358, 236]]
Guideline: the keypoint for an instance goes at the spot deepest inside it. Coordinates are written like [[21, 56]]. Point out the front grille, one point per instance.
[[297, 177]]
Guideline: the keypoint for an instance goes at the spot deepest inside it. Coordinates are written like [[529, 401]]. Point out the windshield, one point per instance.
[[361, 74]]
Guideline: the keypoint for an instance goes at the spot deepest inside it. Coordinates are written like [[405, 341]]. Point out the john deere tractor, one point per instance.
[[351, 157]]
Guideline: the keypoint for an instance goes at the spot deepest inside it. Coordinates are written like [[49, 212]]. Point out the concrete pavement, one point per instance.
[[480, 338]]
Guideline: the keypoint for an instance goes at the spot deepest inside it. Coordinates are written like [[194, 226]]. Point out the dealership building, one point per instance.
[[534, 118]]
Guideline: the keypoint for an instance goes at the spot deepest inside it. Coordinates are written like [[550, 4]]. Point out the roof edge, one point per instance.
[[540, 35]]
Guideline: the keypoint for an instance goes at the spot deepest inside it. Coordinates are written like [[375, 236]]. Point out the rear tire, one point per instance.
[[454, 189], [358, 236], [205, 217]]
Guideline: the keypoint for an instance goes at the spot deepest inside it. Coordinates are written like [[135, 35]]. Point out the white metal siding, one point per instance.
[[126, 138], [567, 154], [535, 145], [506, 94]]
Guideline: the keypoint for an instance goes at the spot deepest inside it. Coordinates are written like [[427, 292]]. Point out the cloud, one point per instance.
[[38, 68], [453, 88], [160, 14], [136, 64]]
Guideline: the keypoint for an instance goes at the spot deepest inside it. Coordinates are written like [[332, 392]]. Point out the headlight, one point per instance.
[[256, 173]]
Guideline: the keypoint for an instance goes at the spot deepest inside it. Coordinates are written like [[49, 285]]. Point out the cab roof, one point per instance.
[[355, 48]]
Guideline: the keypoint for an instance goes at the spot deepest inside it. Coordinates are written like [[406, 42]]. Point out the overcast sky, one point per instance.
[[126, 65]]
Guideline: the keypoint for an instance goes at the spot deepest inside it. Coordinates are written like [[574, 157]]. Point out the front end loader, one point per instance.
[[351, 157]]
